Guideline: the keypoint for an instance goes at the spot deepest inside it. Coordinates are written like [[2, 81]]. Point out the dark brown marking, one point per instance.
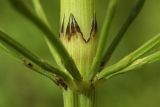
[[93, 26], [73, 28], [96, 26], [30, 65], [61, 82], [76, 25], [62, 27], [68, 30], [27, 63]]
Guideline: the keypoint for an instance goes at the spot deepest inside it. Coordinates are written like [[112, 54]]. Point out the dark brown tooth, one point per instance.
[[78, 30], [96, 26], [93, 27], [68, 30], [62, 27], [73, 28]]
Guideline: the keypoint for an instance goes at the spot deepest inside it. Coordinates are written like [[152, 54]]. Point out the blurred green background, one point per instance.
[[20, 87]]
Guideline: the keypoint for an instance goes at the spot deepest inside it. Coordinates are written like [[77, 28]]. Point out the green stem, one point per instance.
[[79, 99], [78, 34], [78, 31], [82, 10]]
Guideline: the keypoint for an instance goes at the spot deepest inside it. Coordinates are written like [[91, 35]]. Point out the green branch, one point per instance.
[[29, 59], [131, 17], [126, 61], [40, 12], [138, 64], [103, 37], [69, 64]]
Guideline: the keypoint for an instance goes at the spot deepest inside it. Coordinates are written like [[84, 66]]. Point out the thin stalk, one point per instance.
[[69, 64], [29, 59], [103, 37], [143, 61], [40, 12], [130, 19], [18, 57], [138, 64], [126, 61]]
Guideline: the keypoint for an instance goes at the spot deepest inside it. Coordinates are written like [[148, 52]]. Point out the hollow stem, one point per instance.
[[78, 34], [79, 99], [78, 31]]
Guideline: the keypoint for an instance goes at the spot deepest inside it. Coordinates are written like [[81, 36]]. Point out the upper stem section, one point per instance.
[[83, 12], [78, 31]]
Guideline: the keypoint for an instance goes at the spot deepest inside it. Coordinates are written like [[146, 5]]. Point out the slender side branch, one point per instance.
[[138, 64], [103, 37], [130, 19], [126, 61], [40, 12], [68, 62], [29, 59]]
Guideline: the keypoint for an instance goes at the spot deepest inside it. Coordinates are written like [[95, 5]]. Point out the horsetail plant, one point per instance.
[[79, 52]]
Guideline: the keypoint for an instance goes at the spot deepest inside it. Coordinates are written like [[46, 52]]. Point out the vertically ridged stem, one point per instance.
[[78, 34], [79, 99], [78, 31]]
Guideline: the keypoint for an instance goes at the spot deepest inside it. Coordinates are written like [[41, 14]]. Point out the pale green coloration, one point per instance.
[[142, 61], [69, 64], [82, 10], [76, 47], [125, 62], [138, 64], [102, 40], [79, 99], [136, 9], [40, 12], [29, 59], [82, 44]]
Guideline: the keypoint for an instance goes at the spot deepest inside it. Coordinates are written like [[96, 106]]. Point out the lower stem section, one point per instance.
[[79, 99]]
